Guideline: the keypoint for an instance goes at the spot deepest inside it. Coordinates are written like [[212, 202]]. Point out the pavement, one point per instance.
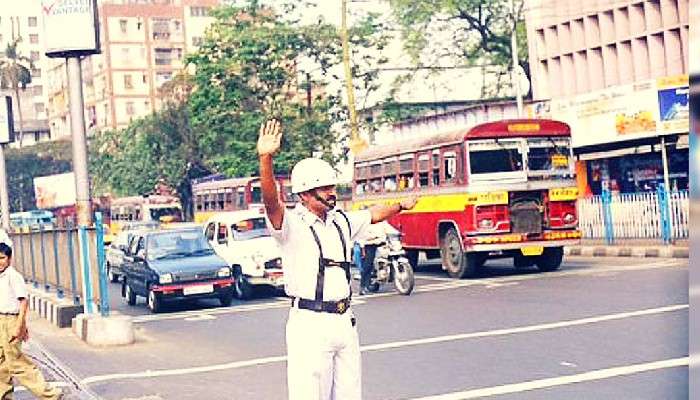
[[630, 248]]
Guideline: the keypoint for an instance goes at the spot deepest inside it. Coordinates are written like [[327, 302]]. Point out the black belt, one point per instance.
[[334, 307], [9, 314]]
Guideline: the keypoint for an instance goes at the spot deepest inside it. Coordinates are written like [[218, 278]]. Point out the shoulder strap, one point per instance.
[[321, 267], [341, 212]]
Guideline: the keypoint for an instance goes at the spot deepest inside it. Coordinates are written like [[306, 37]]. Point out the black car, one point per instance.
[[174, 264]]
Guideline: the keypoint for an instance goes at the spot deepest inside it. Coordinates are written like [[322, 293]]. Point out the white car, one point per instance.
[[243, 240]]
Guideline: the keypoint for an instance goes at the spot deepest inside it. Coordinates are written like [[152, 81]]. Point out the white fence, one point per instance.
[[634, 216]]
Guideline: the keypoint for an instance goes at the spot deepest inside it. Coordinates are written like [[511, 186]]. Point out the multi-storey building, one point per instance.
[[617, 72], [144, 43], [23, 21]]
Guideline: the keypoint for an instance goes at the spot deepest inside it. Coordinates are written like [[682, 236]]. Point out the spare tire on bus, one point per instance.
[[551, 259], [456, 262]]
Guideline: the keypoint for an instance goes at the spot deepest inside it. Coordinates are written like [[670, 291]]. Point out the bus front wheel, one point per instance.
[[456, 262]]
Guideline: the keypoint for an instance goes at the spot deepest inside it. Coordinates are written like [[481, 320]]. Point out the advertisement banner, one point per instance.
[[55, 190], [673, 104], [7, 128], [70, 27]]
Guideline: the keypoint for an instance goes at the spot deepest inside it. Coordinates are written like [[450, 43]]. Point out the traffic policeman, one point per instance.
[[323, 349]]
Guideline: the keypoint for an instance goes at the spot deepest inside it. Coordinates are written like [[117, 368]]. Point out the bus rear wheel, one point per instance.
[[456, 262], [551, 259]]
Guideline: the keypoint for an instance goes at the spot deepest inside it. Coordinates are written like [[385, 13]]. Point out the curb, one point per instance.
[[628, 251], [58, 311]]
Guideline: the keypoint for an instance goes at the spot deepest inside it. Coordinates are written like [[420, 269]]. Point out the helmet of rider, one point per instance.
[[312, 173]]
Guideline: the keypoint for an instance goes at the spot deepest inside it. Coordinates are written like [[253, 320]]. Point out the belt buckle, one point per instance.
[[341, 307]]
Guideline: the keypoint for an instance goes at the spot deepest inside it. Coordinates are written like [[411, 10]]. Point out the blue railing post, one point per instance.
[[102, 269], [73, 277], [606, 198], [31, 254], [59, 288], [662, 194], [21, 252], [84, 246], [43, 257]]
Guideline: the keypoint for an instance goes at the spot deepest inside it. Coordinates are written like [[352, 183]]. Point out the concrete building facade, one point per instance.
[[144, 43]]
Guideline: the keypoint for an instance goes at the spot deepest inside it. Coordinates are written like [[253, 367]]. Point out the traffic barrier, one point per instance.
[[658, 215]]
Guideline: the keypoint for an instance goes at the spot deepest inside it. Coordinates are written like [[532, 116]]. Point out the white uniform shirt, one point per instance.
[[376, 233], [300, 251], [5, 238], [12, 288]]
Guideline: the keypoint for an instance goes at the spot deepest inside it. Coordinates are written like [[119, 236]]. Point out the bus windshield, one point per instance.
[[158, 213], [495, 156], [548, 156]]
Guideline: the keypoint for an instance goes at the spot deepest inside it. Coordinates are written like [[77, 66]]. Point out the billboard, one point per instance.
[[7, 129], [70, 27], [55, 190], [673, 104]]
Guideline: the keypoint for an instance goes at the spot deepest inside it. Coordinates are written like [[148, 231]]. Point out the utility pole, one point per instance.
[[7, 129], [515, 79], [357, 144], [4, 196]]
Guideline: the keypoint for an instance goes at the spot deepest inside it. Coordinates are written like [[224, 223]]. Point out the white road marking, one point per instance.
[[442, 284], [202, 317], [567, 364], [390, 345], [561, 380]]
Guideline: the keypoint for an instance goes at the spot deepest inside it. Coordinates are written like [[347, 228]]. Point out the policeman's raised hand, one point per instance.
[[270, 137], [409, 203]]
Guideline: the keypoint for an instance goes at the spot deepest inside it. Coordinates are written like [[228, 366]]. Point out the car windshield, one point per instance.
[[548, 156], [177, 244], [250, 229]]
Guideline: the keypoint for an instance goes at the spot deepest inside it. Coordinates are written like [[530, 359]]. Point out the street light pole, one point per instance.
[[356, 143], [514, 54], [77, 119]]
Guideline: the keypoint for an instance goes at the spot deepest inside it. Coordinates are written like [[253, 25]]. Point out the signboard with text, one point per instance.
[[673, 104], [70, 27], [7, 129]]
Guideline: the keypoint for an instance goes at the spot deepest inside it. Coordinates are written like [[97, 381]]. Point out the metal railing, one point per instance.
[[652, 215], [54, 260]]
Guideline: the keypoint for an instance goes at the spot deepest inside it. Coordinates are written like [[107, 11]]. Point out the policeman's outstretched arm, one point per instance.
[[268, 144], [384, 212]]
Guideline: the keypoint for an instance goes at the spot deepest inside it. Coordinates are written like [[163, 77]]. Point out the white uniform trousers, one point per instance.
[[323, 356]]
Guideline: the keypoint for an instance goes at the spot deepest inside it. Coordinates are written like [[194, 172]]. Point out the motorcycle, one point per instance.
[[391, 265]]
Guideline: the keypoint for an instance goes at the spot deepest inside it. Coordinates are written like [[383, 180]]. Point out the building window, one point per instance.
[[163, 57], [39, 107], [197, 40], [33, 38], [128, 84], [177, 25], [37, 90], [122, 25], [36, 73], [143, 78], [34, 55], [162, 77], [199, 11], [32, 21], [161, 28], [130, 108]]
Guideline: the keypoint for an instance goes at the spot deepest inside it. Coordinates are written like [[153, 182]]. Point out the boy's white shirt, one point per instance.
[[12, 288]]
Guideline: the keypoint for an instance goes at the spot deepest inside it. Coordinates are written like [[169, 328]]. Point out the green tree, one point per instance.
[[465, 33], [246, 71], [15, 74]]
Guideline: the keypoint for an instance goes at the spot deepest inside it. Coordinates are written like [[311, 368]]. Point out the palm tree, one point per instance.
[[15, 74]]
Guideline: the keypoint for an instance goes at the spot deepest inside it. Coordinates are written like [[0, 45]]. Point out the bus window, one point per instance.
[[256, 194], [450, 166], [229, 202], [240, 198], [406, 173], [222, 236], [198, 202], [220, 201], [436, 167], [390, 170], [423, 170]]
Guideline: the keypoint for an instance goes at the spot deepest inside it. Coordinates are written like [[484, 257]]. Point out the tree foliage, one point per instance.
[[464, 33]]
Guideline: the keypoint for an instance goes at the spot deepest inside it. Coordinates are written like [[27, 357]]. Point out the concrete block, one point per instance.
[[600, 251], [63, 313], [101, 331], [624, 252], [652, 252], [680, 253]]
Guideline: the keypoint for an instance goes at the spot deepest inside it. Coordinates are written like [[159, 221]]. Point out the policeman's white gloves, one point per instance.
[[408, 204], [270, 137]]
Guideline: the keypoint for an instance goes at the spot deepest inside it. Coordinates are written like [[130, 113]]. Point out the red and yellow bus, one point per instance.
[[153, 209], [232, 194], [498, 189]]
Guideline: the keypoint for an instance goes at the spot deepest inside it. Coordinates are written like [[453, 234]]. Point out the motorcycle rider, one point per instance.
[[374, 236]]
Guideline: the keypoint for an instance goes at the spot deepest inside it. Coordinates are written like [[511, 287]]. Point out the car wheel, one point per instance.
[[130, 295], [243, 289], [226, 298], [155, 304], [110, 273]]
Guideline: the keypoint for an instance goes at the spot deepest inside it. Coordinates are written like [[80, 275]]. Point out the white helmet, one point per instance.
[[312, 173]]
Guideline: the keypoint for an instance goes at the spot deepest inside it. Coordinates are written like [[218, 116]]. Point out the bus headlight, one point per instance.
[[224, 272], [569, 218], [164, 279], [486, 223]]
